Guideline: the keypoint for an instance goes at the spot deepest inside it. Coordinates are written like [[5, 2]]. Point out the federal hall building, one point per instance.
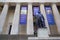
[[17, 17]]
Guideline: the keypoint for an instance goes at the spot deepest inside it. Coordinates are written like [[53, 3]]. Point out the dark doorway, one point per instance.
[[58, 8]]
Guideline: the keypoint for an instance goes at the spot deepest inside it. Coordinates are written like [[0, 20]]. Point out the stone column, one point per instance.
[[42, 9], [30, 27], [43, 32], [15, 23], [56, 16], [3, 16]]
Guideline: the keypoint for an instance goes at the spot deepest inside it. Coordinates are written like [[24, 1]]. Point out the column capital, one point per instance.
[[41, 4], [17, 3], [30, 4]]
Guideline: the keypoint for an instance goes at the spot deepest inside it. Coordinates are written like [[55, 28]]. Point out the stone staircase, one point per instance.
[[13, 37], [27, 37], [43, 38]]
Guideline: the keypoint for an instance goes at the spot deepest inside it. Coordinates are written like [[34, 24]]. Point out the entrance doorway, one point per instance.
[[58, 9]]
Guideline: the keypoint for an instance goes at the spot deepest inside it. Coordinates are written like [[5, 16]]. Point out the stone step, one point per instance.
[[26, 37], [13, 37], [43, 38]]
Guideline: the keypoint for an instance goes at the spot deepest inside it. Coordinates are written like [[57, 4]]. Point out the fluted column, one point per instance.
[[30, 30], [3, 16], [56, 16], [15, 23], [42, 9]]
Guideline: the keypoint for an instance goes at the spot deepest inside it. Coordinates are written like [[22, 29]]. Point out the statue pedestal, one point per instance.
[[42, 32]]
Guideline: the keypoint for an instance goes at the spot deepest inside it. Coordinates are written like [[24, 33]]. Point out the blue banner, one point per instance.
[[23, 19], [49, 15], [23, 15]]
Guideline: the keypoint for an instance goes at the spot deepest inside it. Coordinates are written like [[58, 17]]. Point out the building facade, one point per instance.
[[16, 16]]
